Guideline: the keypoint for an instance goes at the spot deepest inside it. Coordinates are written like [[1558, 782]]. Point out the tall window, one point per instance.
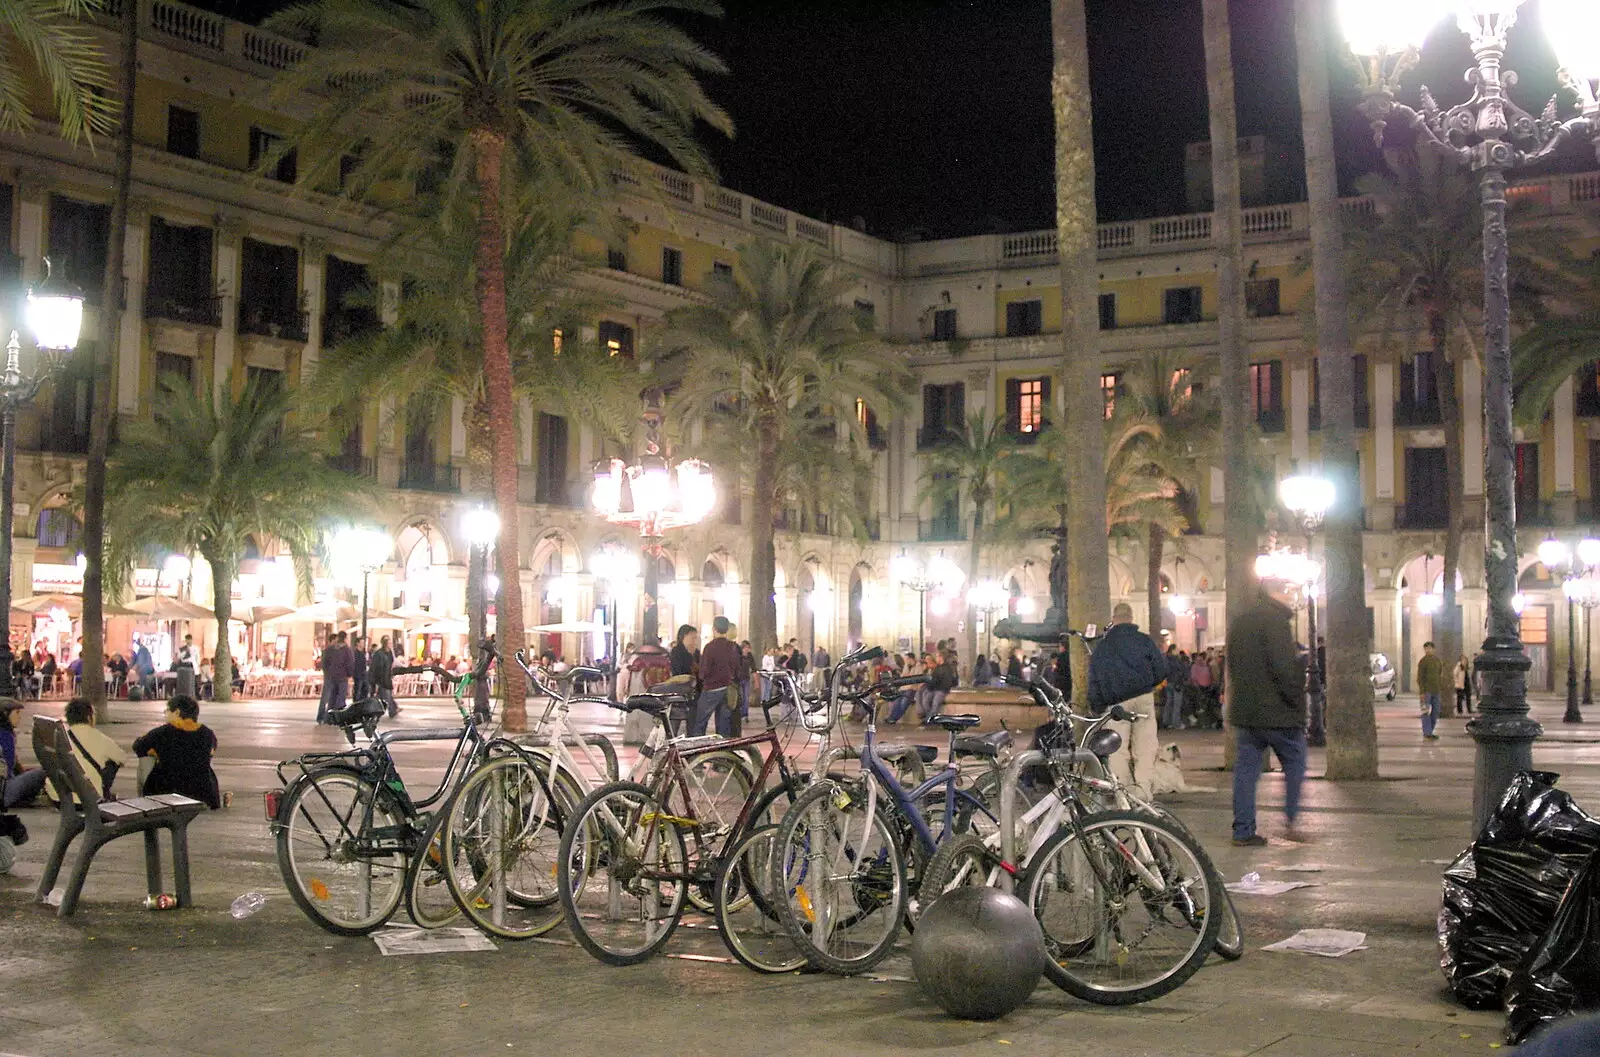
[[1108, 311], [1025, 403], [1109, 385], [617, 339], [180, 285], [1316, 393], [263, 145], [1261, 297], [1527, 489], [944, 324], [1419, 381], [550, 484], [672, 266], [77, 241], [867, 313], [348, 299], [943, 412], [1266, 394], [617, 259], [183, 132], [1363, 402], [269, 301], [868, 420], [1024, 318], [178, 368], [1181, 304]]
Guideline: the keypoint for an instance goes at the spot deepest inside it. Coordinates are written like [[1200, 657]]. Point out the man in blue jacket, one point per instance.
[[1127, 668]]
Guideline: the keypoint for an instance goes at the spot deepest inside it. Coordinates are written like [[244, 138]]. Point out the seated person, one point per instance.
[[118, 667], [205, 679], [22, 784], [94, 750], [22, 674], [182, 748]]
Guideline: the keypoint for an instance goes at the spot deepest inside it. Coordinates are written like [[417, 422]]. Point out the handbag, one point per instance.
[[107, 771]]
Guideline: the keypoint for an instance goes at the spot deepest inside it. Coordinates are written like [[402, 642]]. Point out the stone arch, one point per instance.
[[422, 548], [1123, 582], [554, 547]]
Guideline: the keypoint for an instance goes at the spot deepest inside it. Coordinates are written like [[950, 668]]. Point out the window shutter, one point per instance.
[[1014, 404], [1044, 411], [1277, 387], [957, 410]]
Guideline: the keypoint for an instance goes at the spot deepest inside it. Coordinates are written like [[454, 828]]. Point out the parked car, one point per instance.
[[1383, 676]]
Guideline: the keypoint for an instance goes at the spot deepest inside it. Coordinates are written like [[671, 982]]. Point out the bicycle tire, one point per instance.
[[1230, 934], [719, 787], [506, 820], [747, 916], [592, 840], [874, 896], [608, 751], [313, 877], [424, 876], [1072, 942], [960, 862]]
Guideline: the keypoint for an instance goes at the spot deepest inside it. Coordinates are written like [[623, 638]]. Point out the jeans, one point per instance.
[[901, 705], [931, 703], [1463, 701], [1431, 709], [333, 695], [712, 703], [386, 695], [1290, 745], [20, 788], [1172, 714]]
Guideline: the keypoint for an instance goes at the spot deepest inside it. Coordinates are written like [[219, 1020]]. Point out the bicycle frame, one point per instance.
[[906, 801]]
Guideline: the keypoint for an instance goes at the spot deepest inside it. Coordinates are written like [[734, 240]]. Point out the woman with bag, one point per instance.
[[99, 756]]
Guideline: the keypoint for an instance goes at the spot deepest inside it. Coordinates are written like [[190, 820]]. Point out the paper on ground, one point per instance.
[[406, 940], [1305, 867], [1326, 943], [1266, 888]]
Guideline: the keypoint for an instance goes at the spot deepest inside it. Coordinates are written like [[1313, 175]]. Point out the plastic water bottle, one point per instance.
[[247, 904], [1250, 879]]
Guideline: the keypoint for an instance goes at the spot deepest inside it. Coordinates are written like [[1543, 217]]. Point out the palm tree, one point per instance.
[[971, 463], [1088, 552], [1561, 342], [771, 365], [205, 475], [1351, 723], [50, 37], [483, 97]]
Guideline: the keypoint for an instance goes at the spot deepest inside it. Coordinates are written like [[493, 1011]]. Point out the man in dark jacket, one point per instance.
[[380, 672], [1126, 668], [338, 664], [1267, 706]]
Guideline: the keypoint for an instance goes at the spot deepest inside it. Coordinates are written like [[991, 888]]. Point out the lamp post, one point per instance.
[[481, 527], [614, 565], [1571, 564], [656, 495], [1490, 135], [1308, 497], [54, 315], [936, 574], [366, 549], [1589, 555], [988, 597]]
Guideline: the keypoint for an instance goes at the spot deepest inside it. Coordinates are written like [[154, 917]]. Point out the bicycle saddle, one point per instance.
[[1104, 743], [954, 723], [982, 744], [655, 704], [356, 713]]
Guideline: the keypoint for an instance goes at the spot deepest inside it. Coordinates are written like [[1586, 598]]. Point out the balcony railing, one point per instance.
[[1409, 413], [1271, 420], [283, 325], [354, 465], [941, 530], [196, 310], [929, 437], [430, 477], [348, 323], [1424, 517]]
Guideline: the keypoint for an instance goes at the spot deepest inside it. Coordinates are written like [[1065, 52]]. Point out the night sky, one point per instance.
[[931, 118]]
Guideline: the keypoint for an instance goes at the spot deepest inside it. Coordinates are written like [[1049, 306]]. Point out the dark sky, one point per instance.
[[933, 116]]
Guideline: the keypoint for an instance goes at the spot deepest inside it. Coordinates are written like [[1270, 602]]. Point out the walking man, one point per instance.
[[1267, 704], [380, 672], [719, 672], [358, 667], [1177, 676], [1127, 668], [337, 665], [1430, 688]]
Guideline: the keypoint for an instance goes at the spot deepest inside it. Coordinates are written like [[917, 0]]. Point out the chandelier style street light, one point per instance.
[[1571, 564], [366, 549], [938, 574], [53, 314], [988, 597], [1490, 135], [656, 495], [615, 566], [1308, 497]]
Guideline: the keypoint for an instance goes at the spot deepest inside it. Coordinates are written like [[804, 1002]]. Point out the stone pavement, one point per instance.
[[119, 981]]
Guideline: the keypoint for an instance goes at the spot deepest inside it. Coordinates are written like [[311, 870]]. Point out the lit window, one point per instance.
[[1030, 405], [1108, 392], [555, 337], [861, 412]]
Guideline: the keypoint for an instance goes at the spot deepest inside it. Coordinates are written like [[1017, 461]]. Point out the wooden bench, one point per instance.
[[101, 823]]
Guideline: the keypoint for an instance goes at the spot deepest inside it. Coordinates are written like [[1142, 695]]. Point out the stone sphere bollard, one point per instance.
[[978, 952]]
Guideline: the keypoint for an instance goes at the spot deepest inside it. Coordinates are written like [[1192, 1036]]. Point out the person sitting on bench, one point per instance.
[[94, 750], [21, 785], [182, 748]]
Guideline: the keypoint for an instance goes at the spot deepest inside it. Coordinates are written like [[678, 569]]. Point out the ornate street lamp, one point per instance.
[[1589, 555], [938, 574], [362, 548], [616, 567], [1571, 564], [1490, 135], [988, 597], [54, 316], [656, 495], [1308, 497]]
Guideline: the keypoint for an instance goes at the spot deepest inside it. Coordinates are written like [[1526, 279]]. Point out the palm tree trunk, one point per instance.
[[1088, 552], [491, 282], [763, 554], [1154, 554], [101, 374], [1351, 724], [223, 568], [480, 484], [1238, 517], [1447, 629]]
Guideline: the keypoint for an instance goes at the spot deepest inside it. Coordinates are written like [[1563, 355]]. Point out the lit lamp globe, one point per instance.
[[1575, 590], [697, 493], [1380, 27], [1574, 30], [1307, 496], [55, 313], [651, 484], [987, 595], [615, 564], [607, 492], [1519, 602], [481, 526], [946, 575], [1554, 554], [176, 567], [1589, 551], [1178, 604], [1429, 603], [904, 567]]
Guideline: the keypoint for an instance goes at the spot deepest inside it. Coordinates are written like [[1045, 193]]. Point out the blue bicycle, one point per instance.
[[849, 849]]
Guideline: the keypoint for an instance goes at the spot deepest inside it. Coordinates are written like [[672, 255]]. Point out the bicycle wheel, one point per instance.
[[747, 915], [839, 878], [963, 861], [1124, 900], [621, 874], [505, 824], [1230, 934], [345, 889], [429, 901], [719, 787]]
